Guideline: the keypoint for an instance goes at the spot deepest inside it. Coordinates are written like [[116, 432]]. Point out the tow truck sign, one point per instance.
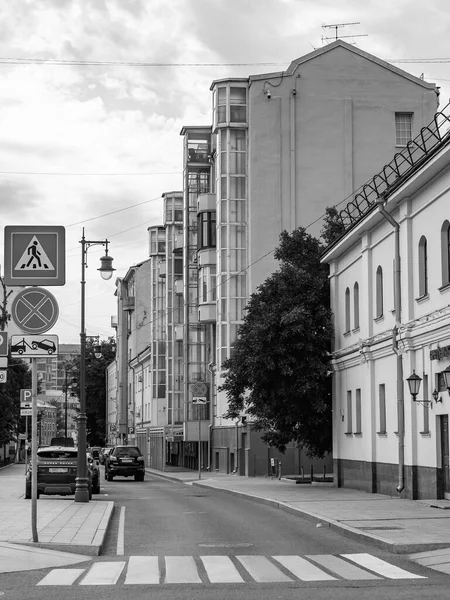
[[31, 346]]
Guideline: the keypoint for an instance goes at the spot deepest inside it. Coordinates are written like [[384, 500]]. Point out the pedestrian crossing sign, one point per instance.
[[34, 255]]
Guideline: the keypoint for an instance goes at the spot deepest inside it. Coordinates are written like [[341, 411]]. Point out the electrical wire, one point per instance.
[[117, 63]]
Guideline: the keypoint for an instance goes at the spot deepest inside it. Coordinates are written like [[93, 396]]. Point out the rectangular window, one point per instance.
[[349, 412], [221, 105], [237, 105], [382, 407], [426, 407], [403, 128], [358, 411]]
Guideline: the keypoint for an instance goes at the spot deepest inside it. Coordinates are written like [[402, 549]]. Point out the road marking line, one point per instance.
[[61, 577], [103, 573], [121, 533], [303, 569], [220, 569], [261, 569], [142, 569], [381, 567], [181, 569], [341, 567]]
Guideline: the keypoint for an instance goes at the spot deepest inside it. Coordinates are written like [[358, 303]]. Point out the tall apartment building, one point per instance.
[[280, 149]]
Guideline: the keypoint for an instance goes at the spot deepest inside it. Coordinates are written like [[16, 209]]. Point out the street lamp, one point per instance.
[[414, 382], [199, 401], [106, 271]]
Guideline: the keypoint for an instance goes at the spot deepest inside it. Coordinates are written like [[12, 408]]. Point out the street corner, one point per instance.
[[18, 557]]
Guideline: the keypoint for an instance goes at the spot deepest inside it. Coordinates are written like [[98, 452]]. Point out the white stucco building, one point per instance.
[[390, 294]]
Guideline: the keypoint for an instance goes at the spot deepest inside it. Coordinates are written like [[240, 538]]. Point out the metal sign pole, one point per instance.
[[26, 444], [34, 450]]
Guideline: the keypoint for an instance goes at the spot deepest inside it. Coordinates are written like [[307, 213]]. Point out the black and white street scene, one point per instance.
[[224, 300]]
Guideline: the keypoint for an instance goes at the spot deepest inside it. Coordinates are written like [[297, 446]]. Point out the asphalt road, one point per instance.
[[169, 540]]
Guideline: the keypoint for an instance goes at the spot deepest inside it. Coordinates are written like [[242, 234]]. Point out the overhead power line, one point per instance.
[[117, 63]]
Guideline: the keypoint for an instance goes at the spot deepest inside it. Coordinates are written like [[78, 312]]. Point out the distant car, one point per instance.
[[125, 461], [95, 470], [56, 472], [103, 454], [47, 345], [95, 451]]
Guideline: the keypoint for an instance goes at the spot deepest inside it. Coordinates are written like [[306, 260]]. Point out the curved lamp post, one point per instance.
[[414, 382], [106, 270]]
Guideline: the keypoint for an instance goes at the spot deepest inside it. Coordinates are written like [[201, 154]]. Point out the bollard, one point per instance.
[[324, 474], [311, 472], [303, 474], [279, 470]]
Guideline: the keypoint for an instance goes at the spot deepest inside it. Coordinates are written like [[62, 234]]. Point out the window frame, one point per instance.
[[423, 267], [379, 292], [402, 138], [445, 252]]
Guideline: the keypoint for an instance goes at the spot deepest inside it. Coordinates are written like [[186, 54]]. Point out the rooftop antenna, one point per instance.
[[336, 26]]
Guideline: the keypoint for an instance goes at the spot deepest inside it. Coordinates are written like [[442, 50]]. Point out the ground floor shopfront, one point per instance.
[[236, 449]]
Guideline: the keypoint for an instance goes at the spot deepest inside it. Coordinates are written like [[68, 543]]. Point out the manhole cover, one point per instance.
[[227, 545]]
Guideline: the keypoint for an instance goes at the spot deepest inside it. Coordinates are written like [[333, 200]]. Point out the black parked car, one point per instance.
[[125, 461], [56, 472]]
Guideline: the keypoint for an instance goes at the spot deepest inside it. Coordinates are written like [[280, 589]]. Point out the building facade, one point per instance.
[[390, 294], [281, 147]]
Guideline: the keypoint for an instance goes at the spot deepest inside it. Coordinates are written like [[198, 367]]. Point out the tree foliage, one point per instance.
[[333, 226], [19, 377], [95, 385], [278, 369]]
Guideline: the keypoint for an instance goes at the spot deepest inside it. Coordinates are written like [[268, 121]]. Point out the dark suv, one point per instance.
[[56, 472], [125, 461]]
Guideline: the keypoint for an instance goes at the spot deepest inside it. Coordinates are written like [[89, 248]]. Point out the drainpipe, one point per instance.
[[397, 307]]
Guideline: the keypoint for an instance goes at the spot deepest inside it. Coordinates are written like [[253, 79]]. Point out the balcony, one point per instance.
[[128, 303], [178, 287], [178, 244], [207, 313], [206, 202], [179, 333], [206, 256]]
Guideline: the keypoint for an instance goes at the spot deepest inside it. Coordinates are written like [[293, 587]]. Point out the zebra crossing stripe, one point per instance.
[[303, 569], [341, 567], [381, 567], [262, 570], [61, 577], [103, 573], [181, 569], [220, 569], [143, 569]]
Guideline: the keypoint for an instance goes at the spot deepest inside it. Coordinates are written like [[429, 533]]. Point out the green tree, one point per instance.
[[277, 371], [4, 314], [19, 377], [333, 226], [95, 384]]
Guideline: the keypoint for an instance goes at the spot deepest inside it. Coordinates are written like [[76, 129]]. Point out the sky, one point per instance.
[[94, 94]]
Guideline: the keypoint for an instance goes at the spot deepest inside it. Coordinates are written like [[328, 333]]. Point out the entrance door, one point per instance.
[[445, 455]]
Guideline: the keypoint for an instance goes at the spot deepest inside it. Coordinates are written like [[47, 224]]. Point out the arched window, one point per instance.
[[356, 305], [445, 252], [423, 267], [347, 310], [379, 293]]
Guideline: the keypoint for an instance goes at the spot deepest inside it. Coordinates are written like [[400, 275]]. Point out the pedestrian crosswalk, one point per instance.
[[159, 570]]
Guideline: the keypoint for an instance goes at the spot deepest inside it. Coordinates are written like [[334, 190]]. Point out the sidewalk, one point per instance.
[[419, 528], [68, 532]]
